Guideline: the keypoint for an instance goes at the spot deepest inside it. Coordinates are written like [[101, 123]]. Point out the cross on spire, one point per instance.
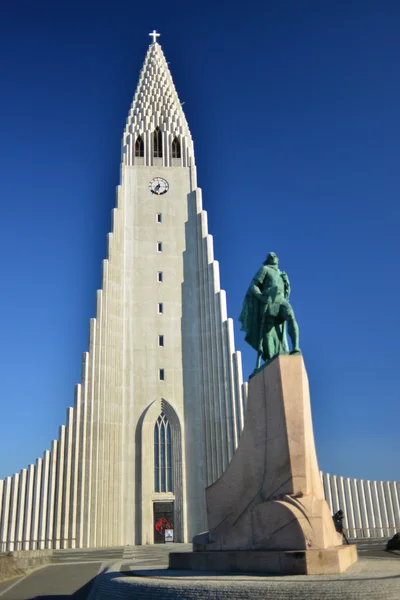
[[155, 35]]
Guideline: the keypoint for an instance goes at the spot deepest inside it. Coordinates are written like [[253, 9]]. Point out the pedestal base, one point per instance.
[[274, 562]]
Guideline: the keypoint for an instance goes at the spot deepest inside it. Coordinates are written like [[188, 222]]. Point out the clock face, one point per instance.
[[158, 186]]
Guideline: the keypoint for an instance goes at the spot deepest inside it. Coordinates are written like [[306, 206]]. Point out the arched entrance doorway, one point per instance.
[[160, 490]]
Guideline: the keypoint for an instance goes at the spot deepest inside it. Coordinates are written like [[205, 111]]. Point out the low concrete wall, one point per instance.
[[17, 563]]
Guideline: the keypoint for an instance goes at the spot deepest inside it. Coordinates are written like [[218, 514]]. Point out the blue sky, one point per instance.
[[294, 111]]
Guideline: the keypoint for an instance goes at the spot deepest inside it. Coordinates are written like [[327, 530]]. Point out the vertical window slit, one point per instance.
[[176, 148], [163, 455], [139, 146], [157, 143]]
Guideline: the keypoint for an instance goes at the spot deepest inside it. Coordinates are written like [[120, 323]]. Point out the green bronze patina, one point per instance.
[[266, 310]]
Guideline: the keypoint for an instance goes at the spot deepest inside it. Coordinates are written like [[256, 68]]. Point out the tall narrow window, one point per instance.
[[176, 148], [156, 459], [159, 276], [157, 143], [160, 307], [159, 217], [168, 466], [139, 146], [163, 453], [159, 246], [162, 459], [161, 340], [161, 374]]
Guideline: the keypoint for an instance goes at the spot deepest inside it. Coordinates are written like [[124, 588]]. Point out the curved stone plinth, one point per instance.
[[369, 579]]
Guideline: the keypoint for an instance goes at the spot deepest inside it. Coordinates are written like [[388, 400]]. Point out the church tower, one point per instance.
[[160, 408]]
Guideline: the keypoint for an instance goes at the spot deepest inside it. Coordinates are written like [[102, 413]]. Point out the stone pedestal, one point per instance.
[[269, 504]]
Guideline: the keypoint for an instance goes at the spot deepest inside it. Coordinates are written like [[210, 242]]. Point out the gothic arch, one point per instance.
[[157, 143], [176, 148], [145, 494], [139, 147]]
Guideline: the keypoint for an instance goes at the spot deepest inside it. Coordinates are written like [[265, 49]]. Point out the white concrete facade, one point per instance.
[[371, 508], [161, 342]]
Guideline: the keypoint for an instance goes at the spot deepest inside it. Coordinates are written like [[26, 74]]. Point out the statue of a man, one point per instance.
[[266, 309]]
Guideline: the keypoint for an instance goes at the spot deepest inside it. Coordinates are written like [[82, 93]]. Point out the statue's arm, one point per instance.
[[256, 285], [286, 284], [255, 289]]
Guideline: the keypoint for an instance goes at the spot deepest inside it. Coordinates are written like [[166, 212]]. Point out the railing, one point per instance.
[[14, 545]]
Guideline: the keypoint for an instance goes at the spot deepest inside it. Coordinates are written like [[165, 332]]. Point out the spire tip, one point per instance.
[[154, 35]]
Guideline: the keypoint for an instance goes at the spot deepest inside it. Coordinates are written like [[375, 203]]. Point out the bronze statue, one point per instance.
[[266, 310]]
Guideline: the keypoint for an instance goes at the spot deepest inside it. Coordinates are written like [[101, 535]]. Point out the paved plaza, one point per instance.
[[73, 573]]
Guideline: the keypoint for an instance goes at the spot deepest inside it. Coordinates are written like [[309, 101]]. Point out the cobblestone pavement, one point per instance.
[[369, 579], [144, 576]]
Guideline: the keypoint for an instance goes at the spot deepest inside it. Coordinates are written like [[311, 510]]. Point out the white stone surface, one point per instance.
[[73, 513], [51, 494], [396, 502], [363, 508], [1, 499], [349, 503], [356, 505], [44, 494], [58, 492], [5, 511], [66, 491], [21, 509], [13, 512], [28, 508], [37, 482]]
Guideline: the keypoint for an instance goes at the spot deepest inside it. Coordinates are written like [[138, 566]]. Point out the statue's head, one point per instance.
[[271, 259]]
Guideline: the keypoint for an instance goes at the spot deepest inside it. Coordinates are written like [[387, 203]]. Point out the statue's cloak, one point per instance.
[[252, 311]]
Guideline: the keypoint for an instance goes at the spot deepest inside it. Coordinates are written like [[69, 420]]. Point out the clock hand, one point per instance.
[[157, 187]]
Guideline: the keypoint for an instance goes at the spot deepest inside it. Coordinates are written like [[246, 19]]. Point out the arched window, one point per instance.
[[162, 455], [157, 143], [176, 148], [139, 146]]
